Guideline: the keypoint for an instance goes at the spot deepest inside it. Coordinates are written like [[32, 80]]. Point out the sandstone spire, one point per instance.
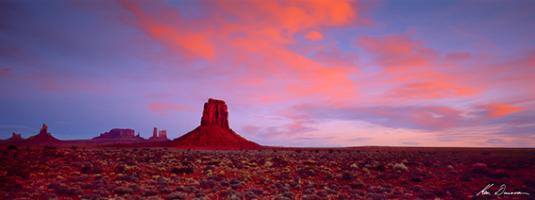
[[155, 132], [44, 129]]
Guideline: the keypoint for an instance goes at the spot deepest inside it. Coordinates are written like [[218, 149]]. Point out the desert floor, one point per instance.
[[353, 173]]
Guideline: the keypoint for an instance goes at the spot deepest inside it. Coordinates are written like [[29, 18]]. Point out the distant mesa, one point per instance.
[[214, 131], [120, 135], [43, 137], [158, 135]]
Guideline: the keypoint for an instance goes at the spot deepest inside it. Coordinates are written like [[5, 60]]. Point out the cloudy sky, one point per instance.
[[294, 73]]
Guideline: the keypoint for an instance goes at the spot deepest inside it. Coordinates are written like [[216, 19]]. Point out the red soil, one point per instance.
[[348, 173]]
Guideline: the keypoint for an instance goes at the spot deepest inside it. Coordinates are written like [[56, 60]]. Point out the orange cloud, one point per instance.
[[291, 16], [299, 75], [250, 41], [314, 36], [173, 36], [501, 109]]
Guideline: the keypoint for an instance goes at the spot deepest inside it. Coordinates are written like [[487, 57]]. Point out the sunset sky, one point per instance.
[[293, 73]]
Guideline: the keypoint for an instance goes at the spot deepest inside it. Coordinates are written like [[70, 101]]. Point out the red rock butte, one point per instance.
[[43, 137], [214, 131]]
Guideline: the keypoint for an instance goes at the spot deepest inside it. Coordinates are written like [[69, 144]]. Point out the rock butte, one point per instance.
[[214, 131], [43, 137]]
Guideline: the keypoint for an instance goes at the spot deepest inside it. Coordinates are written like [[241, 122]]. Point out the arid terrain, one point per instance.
[[268, 173]]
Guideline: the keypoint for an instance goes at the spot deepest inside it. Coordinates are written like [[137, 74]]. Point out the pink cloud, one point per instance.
[[291, 16], [501, 109], [253, 47], [163, 108], [176, 37], [510, 78], [458, 56], [332, 55], [65, 82], [397, 52], [5, 71], [414, 71], [314, 36], [432, 90]]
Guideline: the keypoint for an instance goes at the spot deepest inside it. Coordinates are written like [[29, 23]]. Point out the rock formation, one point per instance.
[[42, 137], [15, 137], [215, 113], [214, 131], [154, 132], [158, 135], [162, 134], [119, 134]]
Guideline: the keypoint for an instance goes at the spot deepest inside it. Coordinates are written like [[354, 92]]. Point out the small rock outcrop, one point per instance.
[[214, 131], [15, 137]]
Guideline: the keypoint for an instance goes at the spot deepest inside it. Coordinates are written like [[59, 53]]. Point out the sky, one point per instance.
[[293, 73]]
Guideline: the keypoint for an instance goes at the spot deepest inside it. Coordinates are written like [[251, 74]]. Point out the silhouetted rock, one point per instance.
[[119, 135], [44, 129], [162, 134], [214, 131], [159, 135], [15, 137], [43, 137]]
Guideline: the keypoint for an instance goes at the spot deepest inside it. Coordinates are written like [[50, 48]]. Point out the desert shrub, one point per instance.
[[87, 169], [18, 170], [50, 148], [182, 170]]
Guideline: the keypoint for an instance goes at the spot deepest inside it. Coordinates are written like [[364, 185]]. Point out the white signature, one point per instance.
[[500, 192]]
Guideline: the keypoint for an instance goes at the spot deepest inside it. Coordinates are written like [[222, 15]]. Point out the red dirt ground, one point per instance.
[[269, 173]]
